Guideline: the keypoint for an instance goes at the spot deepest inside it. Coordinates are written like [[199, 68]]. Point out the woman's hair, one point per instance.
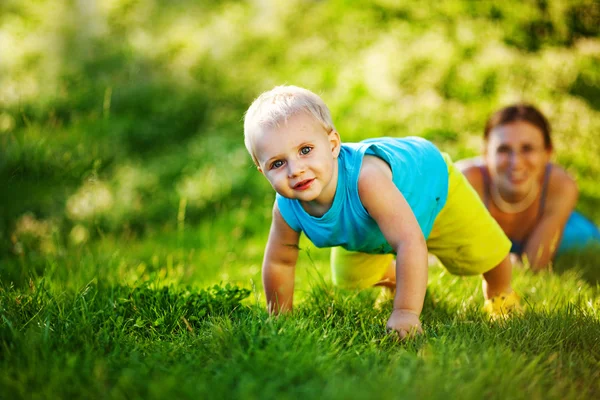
[[520, 112], [279, 104]]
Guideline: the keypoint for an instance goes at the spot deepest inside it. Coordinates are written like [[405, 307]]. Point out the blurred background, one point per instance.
[[121, 139]]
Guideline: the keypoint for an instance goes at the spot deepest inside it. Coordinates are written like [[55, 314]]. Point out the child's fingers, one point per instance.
[[403, 334], [407, 333], [405, 324], [415, 330]]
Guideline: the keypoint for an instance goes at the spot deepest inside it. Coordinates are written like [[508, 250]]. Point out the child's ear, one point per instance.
[[335, 143]]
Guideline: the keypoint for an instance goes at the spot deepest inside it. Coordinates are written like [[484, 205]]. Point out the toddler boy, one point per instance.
[[381, 204]]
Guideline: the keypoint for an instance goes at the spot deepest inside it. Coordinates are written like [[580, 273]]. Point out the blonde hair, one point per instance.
[[276, 106]]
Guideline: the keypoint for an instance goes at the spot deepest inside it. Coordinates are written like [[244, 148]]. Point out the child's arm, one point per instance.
[[388, 207], [279, 264]]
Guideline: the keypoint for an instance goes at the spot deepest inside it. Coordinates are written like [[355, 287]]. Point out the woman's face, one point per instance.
[[516, 157]]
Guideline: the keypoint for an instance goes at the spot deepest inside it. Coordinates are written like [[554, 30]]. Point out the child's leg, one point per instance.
[[355, 270], [497, 280], [388, 279], [500, 301], [467, 240]]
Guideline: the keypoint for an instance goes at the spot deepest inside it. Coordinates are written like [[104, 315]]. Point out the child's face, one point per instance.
[[299, 159], [516, 156]]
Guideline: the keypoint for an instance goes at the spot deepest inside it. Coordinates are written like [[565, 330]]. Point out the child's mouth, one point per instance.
[[304, 184]]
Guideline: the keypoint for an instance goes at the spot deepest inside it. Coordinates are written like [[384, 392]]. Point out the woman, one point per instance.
[[531, 198]]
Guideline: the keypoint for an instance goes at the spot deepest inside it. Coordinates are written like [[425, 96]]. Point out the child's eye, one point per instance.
[[503, 150], [305, 150], [276, 164]]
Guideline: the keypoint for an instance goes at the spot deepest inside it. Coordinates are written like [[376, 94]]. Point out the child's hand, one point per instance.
[[406, 323]]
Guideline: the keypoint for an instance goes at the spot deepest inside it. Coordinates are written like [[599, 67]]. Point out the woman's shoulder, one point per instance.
[[558, 173], [472, 169], [561, 192], [560, 182], [469, 163]]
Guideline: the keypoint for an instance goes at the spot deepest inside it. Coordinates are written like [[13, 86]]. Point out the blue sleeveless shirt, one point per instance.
[[418, 170]]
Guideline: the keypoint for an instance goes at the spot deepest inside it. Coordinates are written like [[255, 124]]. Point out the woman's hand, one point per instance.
[[515, 260]]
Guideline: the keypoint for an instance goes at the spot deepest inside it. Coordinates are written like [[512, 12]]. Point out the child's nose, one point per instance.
[[295, 168]]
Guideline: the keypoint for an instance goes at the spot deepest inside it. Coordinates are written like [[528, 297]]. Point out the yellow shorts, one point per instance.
[[465, 237]]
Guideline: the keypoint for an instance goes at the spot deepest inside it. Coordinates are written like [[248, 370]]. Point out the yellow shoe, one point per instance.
[[502, 306]]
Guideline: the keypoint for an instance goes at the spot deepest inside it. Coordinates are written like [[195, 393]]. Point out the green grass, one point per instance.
[[126, 195], [153, 341]]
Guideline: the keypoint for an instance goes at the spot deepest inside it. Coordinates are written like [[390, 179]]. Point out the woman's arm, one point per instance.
[[388, 207], [279, 264], [560, 201]]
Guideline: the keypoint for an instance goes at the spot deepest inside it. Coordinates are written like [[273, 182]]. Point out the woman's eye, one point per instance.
[[276, 164], [503, 150], [305, 150]]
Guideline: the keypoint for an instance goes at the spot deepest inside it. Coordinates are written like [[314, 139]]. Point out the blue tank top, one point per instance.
[[418, 170]]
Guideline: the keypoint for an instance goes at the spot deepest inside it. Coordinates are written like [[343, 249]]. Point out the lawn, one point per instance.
[[132, 221]]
